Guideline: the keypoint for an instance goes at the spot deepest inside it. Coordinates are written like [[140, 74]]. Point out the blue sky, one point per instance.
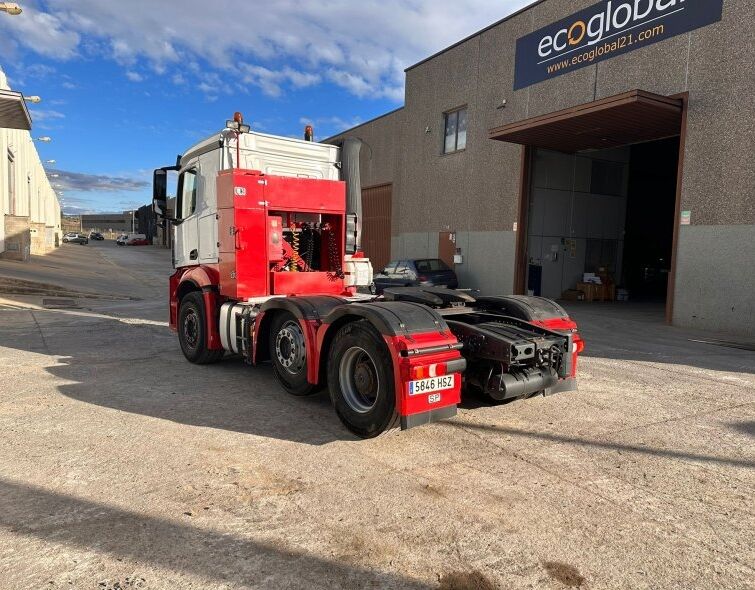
[[126, 85]]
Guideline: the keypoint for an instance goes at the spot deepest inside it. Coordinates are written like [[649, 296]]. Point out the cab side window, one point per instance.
[[187, 193]]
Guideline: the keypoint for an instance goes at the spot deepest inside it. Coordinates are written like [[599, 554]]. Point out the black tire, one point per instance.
[[288, 353], [360, 380], [192, 331]]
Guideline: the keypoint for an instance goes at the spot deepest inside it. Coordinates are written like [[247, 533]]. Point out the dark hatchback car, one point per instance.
[[429, 272], [95, 235]]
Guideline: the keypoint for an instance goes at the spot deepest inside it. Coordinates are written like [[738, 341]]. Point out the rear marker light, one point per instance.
[[427, 371]]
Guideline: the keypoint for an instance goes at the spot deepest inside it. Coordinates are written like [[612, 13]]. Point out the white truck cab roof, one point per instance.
[[280, 156]]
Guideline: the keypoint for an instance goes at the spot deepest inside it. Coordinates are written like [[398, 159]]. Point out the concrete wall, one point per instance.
[[475, 192], [17, 238], [106, 223], [718, 294], [35, 201]]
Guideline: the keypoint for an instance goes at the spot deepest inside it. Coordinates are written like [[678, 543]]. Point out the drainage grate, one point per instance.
[[57, 303]]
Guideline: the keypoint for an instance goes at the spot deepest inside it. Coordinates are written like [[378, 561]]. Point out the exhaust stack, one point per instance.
[[350, 150]]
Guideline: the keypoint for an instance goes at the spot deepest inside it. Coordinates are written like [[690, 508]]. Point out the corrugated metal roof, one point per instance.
[[13, 111], [624, 119]]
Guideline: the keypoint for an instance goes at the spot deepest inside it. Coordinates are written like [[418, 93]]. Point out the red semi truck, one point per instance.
[[268, 266]]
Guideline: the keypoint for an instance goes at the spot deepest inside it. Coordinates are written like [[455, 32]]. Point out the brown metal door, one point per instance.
[[447, 247], [376, 224]]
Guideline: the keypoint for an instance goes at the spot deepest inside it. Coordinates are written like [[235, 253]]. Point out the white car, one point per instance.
[[132, 240]]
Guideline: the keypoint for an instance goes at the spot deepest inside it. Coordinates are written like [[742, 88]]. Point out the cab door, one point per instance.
[[186, 242]]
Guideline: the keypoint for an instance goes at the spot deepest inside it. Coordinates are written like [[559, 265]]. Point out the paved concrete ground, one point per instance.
[[122, 466]]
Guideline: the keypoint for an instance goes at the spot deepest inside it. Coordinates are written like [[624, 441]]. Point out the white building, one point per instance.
[[30, 207]]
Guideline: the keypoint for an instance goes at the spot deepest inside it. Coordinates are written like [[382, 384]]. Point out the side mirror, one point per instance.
[[160, 192]]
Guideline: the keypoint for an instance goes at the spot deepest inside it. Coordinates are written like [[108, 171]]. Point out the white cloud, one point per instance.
[[38, 71], [362, 47], [134, 76], [272, 81], [42, 32], [46, 114]]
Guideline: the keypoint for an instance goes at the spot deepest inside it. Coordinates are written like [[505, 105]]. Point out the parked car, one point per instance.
[[132, 240], [75, 239], [430, 272], [95, 235]]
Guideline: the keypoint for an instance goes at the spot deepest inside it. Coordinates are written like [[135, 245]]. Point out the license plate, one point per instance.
[[430, 385]]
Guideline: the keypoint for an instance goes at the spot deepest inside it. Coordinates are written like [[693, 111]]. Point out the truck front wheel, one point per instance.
[[288, 352], [360, 379], [192, 331]]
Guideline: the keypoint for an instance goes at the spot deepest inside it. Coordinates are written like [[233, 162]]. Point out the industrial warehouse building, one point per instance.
[[613, 138], [31, 212]]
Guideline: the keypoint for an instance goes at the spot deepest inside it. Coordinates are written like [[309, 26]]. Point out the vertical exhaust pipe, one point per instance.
[[350, 150]]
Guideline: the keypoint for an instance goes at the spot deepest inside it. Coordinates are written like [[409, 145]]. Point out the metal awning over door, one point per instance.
[[13, 111], [628, 118]]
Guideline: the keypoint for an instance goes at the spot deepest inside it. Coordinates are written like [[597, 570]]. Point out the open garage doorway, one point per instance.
[[600, 201], [600, 224]]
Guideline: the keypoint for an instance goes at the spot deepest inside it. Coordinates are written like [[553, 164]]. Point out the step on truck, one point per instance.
[[269, 267]]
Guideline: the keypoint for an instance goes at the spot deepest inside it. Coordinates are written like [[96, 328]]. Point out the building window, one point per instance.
[[11, 183], [455, 137]]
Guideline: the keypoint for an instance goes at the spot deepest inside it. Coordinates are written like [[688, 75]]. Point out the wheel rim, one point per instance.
[[290, 349], [359, 380], [191, 328]]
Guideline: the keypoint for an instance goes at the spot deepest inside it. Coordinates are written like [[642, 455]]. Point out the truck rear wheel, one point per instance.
[[360, 379], [288, 352], [192, 331]]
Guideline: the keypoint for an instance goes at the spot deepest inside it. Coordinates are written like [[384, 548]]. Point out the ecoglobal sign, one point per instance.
[[606, 30]]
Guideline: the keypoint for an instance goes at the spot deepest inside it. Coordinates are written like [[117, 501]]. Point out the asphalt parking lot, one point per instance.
[[123, 466]]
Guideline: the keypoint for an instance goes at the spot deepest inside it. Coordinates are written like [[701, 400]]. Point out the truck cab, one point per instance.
[[268, 266], [196, 234]]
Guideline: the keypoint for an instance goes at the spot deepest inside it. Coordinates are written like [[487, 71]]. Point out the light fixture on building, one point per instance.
[[34, 98], [44, 139], [11, 8], [50, 162], [54, 175]]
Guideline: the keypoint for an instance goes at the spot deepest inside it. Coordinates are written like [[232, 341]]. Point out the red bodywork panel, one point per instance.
[[206, 278], [407, 404], [254, 209]]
